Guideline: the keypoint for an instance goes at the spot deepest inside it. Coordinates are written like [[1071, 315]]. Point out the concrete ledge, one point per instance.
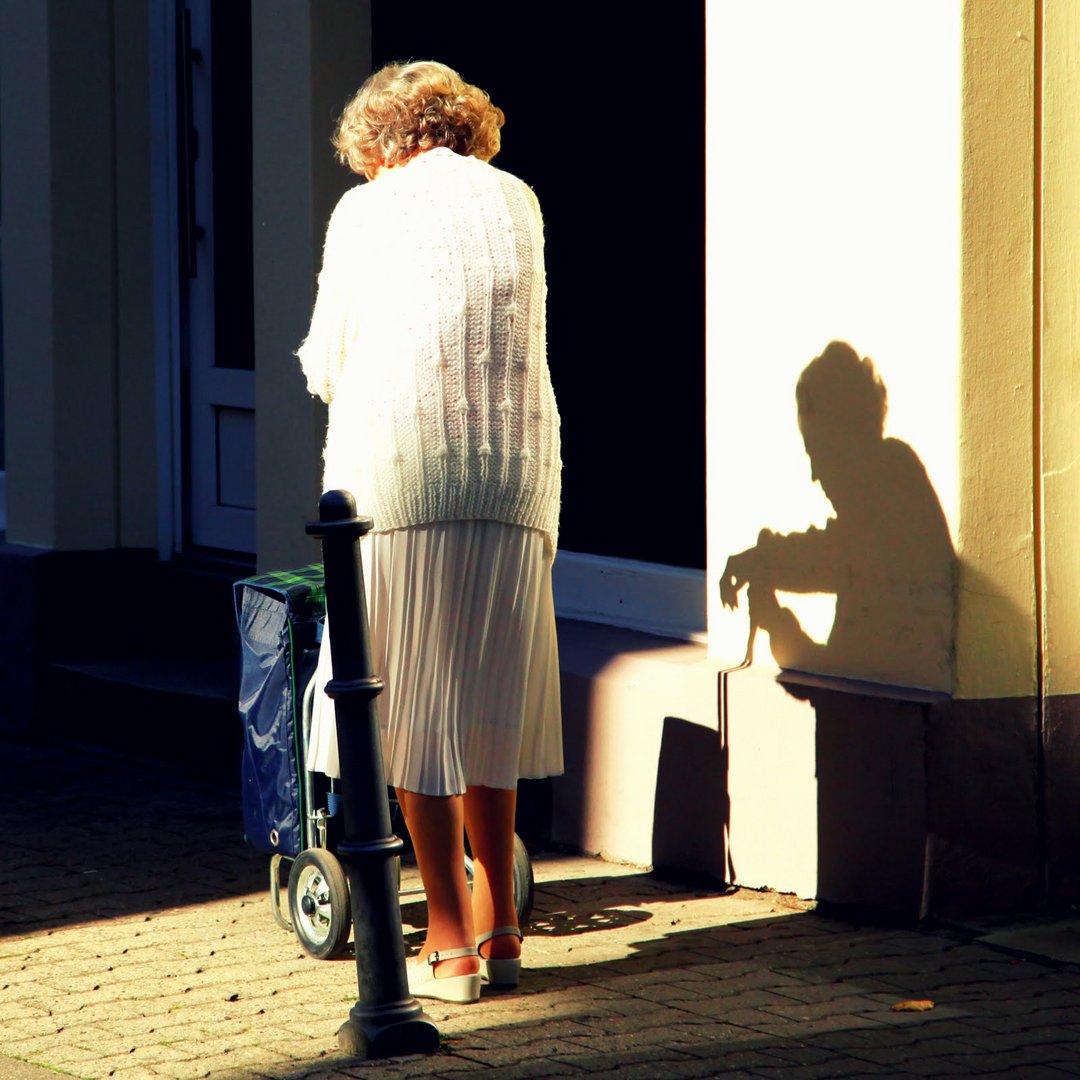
[[645, 779], [646, 597], [847, 792]]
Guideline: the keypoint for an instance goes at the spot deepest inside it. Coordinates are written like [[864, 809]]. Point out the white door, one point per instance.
[[216, 406]]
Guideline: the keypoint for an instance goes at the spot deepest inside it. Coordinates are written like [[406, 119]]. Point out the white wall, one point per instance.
[[834, 201], [833, 156]]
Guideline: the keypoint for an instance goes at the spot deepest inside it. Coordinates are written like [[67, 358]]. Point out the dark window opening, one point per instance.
[[605, 120], [234, 306]]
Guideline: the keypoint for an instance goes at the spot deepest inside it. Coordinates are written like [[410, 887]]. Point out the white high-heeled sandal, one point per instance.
[[506, 972], [459, 989]]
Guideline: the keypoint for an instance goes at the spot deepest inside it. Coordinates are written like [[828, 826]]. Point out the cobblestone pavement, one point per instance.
[[136, 941]]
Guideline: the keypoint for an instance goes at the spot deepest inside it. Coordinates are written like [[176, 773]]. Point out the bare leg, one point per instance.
[[489, 818], [436, 825]]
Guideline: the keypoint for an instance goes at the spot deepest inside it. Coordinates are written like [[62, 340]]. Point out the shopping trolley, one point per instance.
[[290, 812]]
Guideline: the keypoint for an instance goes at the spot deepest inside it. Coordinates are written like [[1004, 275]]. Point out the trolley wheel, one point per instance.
[[319, 903], [524, 885]]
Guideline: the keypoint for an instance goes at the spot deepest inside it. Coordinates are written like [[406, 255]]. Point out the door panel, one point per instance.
[[218, 405]]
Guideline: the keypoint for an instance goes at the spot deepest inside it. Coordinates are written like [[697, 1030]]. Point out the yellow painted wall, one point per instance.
[[77, 287], [1061, 349], [855, 201], [905, 178], [996, 634], [60, 265], [308, 59], [137, 419], [834, 213], [30, 433]]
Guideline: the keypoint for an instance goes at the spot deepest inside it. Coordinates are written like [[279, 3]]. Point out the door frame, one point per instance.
[[166, 273], [189, 395]]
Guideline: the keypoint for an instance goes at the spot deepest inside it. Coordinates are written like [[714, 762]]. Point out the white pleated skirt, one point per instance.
[[463, 635]]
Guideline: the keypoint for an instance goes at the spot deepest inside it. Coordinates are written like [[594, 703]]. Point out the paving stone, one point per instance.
[[542, 1062], [650, 1068], [1037, 1035], [796, 1052], [1025, 1058], [731, 1005], [841, 1039], [821, 1071], [860, 1005], [810, 993], [1033, 1072], [936, 1066], [876, 1073], [628, 974]]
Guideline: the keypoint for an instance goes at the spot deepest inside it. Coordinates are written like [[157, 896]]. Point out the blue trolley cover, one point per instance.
[[278, 615]]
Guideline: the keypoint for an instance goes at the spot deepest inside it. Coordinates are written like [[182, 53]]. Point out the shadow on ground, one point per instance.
[[93, 835], [627, 975], [799, 995], [90, 835]]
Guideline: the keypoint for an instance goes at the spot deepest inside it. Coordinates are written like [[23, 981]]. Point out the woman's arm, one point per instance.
[[803, 562], [322, 354]]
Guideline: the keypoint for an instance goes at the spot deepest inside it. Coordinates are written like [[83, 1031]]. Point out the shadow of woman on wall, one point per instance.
[[887, 556]]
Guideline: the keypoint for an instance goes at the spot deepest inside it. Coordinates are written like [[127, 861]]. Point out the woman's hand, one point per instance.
[[789, 643], [737, 572], [741, 569]]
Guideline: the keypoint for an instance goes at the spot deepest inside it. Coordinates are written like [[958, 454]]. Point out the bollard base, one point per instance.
[[371, 1038]]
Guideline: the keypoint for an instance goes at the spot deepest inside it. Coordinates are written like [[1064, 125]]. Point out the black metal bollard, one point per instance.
[[386, 1019]]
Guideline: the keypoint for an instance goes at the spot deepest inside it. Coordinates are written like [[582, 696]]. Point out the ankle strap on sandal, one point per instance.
[[451, 954], [500, 931]]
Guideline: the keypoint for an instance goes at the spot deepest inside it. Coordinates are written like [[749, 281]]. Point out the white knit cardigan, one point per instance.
[[428, 341]]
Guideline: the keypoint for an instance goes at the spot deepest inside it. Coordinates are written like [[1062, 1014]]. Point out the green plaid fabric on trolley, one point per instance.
[[303, 589]]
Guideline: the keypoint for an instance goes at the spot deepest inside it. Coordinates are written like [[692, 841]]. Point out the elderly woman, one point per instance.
[[428, 342]]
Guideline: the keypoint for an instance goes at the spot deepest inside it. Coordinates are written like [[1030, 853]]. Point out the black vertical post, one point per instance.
[[386, 1019]]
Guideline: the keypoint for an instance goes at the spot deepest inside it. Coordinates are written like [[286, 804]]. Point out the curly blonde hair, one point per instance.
[[404, 109], [838, 391]]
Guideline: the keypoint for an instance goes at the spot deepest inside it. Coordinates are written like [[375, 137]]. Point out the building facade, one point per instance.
[[899, 728]]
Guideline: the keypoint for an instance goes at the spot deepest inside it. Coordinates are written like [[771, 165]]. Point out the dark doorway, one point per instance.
[[605, 120]]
